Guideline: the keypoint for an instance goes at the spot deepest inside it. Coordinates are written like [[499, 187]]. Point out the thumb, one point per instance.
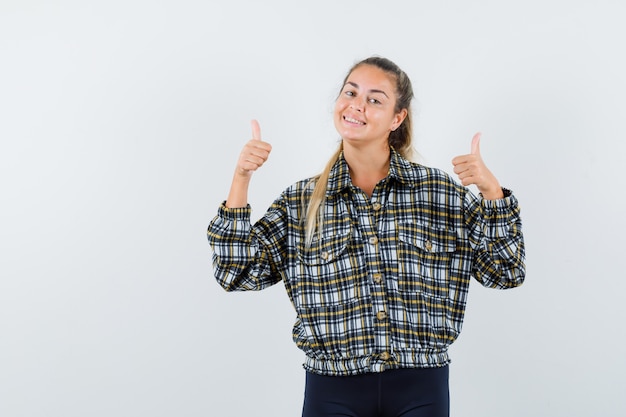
[[256, 130], [476, 144]]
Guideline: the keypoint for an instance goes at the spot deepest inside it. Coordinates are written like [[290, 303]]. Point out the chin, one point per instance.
[[349, 136]]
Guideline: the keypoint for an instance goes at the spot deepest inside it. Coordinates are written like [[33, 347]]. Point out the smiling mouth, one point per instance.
[[354, 121]]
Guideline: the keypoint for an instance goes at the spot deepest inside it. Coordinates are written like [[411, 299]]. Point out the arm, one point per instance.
[[493, 222], [495, 233], [240, 261], [246, 257]]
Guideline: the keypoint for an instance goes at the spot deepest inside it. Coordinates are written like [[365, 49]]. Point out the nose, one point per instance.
[[357, 105]]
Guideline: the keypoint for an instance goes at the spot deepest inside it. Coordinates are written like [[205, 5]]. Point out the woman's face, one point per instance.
[[365, 109]]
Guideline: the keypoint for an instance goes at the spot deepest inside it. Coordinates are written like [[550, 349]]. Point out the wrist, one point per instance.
[[238, 195], [496, 194]]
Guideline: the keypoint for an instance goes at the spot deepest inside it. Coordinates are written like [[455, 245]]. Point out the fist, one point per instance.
[[471, 169], [254, 153]]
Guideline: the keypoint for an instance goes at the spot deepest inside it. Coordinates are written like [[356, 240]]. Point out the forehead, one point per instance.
[[369, 77]]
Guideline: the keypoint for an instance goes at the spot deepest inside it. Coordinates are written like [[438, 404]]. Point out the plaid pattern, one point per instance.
[[384, 285]]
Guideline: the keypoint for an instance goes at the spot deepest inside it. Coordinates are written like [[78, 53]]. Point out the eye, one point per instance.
[[374, 101], [349, 93]]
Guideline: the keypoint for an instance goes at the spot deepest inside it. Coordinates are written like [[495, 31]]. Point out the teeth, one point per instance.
[[351, 120]]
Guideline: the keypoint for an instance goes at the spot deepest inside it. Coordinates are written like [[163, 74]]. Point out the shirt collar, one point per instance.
[[400, 170], [339, 178]]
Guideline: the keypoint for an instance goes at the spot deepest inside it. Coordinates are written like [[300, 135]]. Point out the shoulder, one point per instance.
[[415, 174], [294, 193], [425, 186], [306, 184]]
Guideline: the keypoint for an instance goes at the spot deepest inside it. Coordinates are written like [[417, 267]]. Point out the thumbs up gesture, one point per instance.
[[472, 170], [254, 153]]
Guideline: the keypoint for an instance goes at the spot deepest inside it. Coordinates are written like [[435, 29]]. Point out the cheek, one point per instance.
[[337, 112], [340, 105]]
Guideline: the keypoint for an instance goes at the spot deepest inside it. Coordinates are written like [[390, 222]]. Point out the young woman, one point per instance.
[[376, 253]]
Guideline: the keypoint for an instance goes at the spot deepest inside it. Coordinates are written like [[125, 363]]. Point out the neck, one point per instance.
[[367, 165]]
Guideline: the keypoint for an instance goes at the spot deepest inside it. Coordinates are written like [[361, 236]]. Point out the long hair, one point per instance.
[[400, 139]]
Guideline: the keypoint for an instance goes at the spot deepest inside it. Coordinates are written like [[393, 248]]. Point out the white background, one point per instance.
[[121, 121]]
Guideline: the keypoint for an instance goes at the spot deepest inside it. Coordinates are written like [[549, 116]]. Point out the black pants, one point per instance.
[[421, 392]]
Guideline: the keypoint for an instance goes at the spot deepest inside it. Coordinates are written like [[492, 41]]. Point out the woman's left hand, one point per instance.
[[472, 170]]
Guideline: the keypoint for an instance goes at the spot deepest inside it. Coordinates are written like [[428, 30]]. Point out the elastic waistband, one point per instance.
[[374, 363]]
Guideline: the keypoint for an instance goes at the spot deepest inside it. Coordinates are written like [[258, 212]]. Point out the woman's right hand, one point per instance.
[[254, 153]]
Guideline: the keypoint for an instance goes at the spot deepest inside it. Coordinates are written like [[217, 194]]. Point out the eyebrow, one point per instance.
[[355, 85]]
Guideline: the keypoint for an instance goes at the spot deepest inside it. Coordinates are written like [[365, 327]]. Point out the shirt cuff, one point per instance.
[[506, 202], [234, 213]]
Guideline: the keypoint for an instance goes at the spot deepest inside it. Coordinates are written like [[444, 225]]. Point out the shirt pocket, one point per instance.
[[425, 253], [328, 275]]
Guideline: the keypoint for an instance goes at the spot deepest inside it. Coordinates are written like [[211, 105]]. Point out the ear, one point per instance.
[[398, 119]]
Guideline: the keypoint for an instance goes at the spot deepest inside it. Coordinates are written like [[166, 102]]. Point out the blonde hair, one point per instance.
[[400, 139]]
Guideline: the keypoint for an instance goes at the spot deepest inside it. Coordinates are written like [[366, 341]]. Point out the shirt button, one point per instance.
[[325, 256], [378, 278], [376, 206], [385, 356], [381, 315], [373, 240], [428, 245]]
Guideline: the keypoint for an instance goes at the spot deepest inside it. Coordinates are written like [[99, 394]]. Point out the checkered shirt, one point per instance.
[[385, 284]]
